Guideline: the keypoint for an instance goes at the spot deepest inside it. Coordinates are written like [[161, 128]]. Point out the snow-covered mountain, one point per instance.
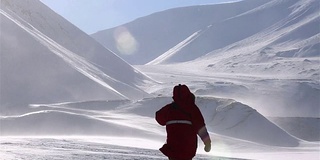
[[274, 44], [277, 28], [184, 34], [157, 33], [44, 58], [283, 57]]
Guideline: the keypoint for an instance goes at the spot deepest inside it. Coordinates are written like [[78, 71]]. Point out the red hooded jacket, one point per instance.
[[183, 121]]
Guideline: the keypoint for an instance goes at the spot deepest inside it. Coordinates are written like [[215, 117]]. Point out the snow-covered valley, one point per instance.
[[65, 96], [103, 127]]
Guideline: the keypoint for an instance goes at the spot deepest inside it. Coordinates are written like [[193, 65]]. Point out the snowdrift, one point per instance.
[[136, 119], [64, 123], [230, 118], [45, 59], [299, 126], [234, 119]]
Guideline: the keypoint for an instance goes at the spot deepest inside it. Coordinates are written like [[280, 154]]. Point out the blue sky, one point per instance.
[[95, 15]]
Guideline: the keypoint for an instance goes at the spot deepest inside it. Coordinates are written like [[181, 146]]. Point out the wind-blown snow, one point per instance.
[[225, 117], [132, 124], [65, 96]]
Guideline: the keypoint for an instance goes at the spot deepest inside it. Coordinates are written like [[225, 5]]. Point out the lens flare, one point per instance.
[[126, 43]]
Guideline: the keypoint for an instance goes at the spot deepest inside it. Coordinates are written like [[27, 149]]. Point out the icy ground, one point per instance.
[[79, 149], [83, 148]]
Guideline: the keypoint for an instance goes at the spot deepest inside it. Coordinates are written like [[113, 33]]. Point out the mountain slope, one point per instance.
[[276, 23], [45, 59], [157, 33]]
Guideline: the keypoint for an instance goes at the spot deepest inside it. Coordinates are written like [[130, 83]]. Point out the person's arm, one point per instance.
[[162, 115], [201, 129], [205, 137]]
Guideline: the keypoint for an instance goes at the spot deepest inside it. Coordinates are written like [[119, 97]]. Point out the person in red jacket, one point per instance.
[[183, 121]]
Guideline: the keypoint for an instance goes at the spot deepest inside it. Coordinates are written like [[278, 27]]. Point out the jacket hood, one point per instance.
[[182, 96]]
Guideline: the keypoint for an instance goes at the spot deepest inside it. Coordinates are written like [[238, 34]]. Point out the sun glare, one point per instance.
[[126, 43]]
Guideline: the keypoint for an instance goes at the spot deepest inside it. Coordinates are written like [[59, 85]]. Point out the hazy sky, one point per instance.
[[95, 15]]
